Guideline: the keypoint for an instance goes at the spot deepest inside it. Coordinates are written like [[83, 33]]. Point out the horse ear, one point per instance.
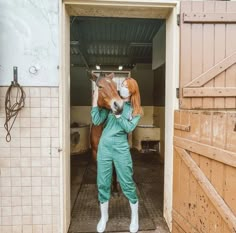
[[92, 76], [111, 76]]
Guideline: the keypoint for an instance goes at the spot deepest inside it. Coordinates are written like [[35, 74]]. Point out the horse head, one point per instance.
[[108, 96]]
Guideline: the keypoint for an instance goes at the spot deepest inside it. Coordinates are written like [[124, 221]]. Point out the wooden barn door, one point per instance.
[[204, 188]]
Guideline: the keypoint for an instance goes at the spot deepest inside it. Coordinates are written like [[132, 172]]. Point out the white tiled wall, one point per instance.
[[29, 165]]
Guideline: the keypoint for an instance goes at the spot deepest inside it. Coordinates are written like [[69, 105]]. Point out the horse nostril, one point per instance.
[[116, 105]]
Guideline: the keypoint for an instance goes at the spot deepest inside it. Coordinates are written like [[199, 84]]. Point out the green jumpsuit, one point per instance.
[[113, 147]]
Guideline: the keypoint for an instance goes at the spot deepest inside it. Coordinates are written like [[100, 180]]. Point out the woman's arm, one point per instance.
[[128, 125], [99, 115]]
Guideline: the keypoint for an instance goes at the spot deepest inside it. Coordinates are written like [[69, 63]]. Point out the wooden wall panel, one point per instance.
[[202, 46], [231, 131], [218, 176], [230, 187], [216, 129], [208, 50], [185, 59], [197, 51], [184, 190], [230, 80], [215, 222], [176, 187], [219, 51], [219, 129], [195, 211]]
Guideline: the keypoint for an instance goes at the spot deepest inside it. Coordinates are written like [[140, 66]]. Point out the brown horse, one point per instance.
[[108, 98]]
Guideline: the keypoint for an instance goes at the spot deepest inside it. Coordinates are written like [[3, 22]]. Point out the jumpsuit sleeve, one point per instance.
[[98, 115], [128, 125]]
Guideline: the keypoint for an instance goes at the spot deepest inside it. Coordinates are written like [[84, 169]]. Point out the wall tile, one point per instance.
[[26, 171], [35, 102], [45, 112], [27, 219], [45, 92], [5, 201], [17, 229], [38, 228], [24, 122], [45, 102], [27, 229], [34, 92], [17, 220], [35, 112], [16, 201], [35, 122], [25, 132], [54, 102], [5, 172], [6, 229], [6, 220]]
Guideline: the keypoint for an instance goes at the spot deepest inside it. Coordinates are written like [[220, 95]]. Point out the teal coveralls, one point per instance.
[[113, 147]]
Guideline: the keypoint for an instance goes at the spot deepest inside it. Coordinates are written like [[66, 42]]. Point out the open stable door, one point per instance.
[[204, 185], [65, 120]]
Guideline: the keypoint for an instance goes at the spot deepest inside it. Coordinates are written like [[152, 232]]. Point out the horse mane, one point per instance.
[[135, 96]]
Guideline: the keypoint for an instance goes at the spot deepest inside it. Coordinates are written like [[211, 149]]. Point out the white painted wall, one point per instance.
[[159, 48], [29, 37]]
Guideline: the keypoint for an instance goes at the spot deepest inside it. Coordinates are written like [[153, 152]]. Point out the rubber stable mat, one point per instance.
[[90, 175], [152, 195], [86, 212]]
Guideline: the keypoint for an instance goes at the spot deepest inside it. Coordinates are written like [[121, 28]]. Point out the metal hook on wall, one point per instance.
[[15, 75]]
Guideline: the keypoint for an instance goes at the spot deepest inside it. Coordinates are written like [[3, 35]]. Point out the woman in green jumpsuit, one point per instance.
[[114, 148]]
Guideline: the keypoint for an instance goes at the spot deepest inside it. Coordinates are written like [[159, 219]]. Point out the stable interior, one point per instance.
[[138, 45]]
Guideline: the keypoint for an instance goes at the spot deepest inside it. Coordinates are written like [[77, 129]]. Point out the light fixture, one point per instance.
[[98, 67], [120, 68]]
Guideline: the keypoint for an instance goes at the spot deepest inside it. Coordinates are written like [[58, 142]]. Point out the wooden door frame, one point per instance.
[[119, 8]]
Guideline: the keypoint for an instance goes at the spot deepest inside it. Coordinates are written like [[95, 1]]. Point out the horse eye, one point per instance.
[[99, 87]]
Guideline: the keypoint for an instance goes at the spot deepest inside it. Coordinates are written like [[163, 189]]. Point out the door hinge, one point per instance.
[[177, 93], [178, 19]]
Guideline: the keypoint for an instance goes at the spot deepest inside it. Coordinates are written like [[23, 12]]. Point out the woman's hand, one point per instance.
[[95, 97]]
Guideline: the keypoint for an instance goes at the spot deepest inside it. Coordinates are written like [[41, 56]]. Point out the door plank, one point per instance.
[[197, 51], [211, 152], [230, 80], [186, 55], [210, 91], [196, 17], [208, 51], [177, 121], [219, 129], [230, 188], [231, 131], [181, 221], [220, 31]]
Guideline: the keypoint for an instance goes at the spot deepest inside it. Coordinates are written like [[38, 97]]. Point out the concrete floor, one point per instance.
[[148, 176]]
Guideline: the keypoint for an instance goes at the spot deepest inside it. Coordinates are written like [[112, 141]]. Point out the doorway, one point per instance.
[[108, 9]]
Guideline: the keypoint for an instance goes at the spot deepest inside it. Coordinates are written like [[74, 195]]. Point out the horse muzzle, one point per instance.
[[117, 107]]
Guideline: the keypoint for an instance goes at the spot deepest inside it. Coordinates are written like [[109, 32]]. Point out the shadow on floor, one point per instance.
[[148, 176]]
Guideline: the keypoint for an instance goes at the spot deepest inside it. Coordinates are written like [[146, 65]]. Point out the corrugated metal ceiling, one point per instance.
[[112, 41]]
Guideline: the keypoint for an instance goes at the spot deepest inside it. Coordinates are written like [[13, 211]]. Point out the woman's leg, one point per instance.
[[104, 175], [124, 169]]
